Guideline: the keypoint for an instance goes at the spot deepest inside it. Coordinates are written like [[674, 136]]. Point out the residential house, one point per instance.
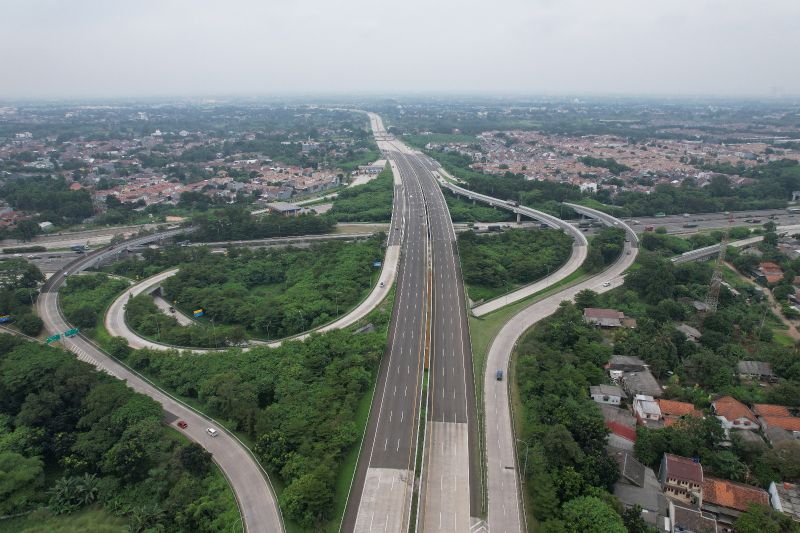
[[785, 497], [619, 364], [689, 520], [727, 499], [768, 272], [757, 370], [734, 414], [682, 479], [610, 394], [607, 318], [622, 427], [647, 411], [691, 334], [641, 383], [777, 435], [766, 409], [638, 485], [790, 424], [672, 411]]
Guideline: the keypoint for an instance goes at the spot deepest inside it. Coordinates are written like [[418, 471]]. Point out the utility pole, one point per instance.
[[712, 297]]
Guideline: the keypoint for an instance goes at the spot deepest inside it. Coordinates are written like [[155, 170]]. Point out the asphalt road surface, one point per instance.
[[382, 488], [504, 512], [257, 502]]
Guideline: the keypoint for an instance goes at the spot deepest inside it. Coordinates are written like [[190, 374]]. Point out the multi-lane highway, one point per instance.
[[250, 484], [383, 485], [429, 330]]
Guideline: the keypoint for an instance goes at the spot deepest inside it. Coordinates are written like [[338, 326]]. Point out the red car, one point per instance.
[[182, 424]]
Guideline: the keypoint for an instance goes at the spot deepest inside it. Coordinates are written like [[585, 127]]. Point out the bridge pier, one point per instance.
[[519, 218]]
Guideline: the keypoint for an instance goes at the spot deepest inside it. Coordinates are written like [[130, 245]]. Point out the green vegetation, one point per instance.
[[236, 223], [611, 164], [266, 293], [19, 281], [562, 356], [774, 184], [565, 431], [544, 195], [84, 298], [299, 403], [49, 197], [370, 202], [73, 438], [497, 263], [24, 250], [462, 210], [604, 249]]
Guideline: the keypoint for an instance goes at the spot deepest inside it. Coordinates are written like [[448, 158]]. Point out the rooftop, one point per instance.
[[789, 423], [732, 495], [758, 368], [599, 313], [766, 409], [788, 498], [732, 409], [683, 468], [676, 408]]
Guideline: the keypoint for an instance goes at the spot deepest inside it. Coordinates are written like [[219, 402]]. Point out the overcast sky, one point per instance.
[[110, 48]]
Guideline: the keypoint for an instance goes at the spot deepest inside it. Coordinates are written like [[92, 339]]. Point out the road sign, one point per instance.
[[376, 264], [53, 338], [198, 312], [71, 332]]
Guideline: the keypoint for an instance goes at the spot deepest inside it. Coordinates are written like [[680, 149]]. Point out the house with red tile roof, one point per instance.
[[766, 409], [769, 272], [681, 478], [733, 414], [672, 411], [786, 423], [727, 499]]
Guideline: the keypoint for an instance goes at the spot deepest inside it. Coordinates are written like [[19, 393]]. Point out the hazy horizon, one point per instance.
[[88, 49]]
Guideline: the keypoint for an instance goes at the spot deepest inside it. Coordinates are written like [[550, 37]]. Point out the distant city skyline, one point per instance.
[[173, 48]]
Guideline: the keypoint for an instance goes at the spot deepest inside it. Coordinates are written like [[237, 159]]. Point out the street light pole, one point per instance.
[[525, 468]]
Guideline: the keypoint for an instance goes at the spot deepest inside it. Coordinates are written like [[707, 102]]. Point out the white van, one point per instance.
[[213, 432]]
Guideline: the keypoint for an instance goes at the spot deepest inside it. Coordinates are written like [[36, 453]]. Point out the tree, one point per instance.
[[18, 273], [26, 230], [194, 459], [84, 317], [634, 522], [586, 298], [763, 519], [20, 478], [30, 324], [308, 500], [590, 514]]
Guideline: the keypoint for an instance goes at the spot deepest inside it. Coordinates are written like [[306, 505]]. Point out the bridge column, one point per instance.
[[519, 218]]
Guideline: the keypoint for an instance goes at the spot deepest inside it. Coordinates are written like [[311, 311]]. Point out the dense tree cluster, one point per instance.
[[369, 202], [267, 293], [567, 463], [495, 262], [50, 197], [611, 164], [84, 298], [604, 249], [236, 223], [19, 281], [298, 403], [71, 436]]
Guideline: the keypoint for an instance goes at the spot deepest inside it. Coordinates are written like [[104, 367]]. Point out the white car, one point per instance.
[[607, 284], [213, 432]]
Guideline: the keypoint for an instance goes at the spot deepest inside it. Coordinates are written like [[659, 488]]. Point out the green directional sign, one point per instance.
[[71, 332], [53, 338]]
